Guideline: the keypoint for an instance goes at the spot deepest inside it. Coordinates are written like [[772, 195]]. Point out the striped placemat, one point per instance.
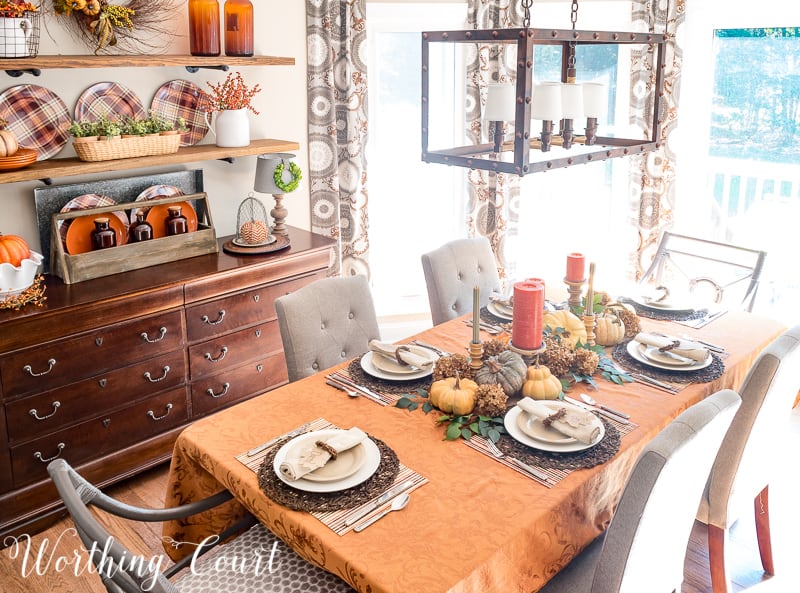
[[384, 398], [336, 520]]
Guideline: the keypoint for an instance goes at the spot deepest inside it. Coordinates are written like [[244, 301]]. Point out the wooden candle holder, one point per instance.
[[529, 356], [575, 289], [589, 322], [476, 355]]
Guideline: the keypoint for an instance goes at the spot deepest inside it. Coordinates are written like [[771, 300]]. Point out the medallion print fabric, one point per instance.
[[652, 180], [337, 128]]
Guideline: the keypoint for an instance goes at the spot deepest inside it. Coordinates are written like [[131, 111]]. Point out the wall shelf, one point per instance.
[[18, 66], [67, 167]]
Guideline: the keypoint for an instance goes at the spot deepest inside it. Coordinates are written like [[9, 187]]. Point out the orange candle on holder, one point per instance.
[[576, 267], [526, 326]]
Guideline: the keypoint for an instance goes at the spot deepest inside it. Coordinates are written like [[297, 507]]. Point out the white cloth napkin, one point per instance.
[[315, 456], [504, 300], [576, 423], [395, 351], [685, 348]]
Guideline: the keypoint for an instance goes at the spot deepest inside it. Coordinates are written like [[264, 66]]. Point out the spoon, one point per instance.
[[350, 392], [592, 402], [398, 503]]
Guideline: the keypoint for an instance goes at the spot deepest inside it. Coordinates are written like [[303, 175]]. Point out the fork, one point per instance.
[[532, 471]]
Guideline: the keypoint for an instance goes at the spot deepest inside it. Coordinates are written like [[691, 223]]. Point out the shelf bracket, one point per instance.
[[227, 159], [194, 69], [18, 73], [47, 180]]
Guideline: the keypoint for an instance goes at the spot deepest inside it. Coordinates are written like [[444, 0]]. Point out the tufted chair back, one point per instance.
[[453, 270], [325, 323]]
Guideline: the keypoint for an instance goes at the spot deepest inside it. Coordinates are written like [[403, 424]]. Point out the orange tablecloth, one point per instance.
[[477, 526]]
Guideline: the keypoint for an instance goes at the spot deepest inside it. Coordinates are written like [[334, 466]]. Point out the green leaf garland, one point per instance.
[[297, 175]]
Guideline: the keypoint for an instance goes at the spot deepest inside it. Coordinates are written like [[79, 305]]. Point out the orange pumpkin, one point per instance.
[[13, 249], [8, 141]]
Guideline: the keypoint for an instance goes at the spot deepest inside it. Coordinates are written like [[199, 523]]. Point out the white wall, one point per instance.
[[280, 31]]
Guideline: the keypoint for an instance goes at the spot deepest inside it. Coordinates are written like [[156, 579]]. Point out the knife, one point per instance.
[[600, 411], [381, 500], [292, 433], [360, 388]]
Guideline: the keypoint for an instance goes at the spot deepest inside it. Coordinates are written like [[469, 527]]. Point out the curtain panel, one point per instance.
[[652, 183], [493, 198], [337, 129]]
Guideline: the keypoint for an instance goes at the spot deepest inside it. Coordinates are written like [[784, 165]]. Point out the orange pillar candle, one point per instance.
[[576, 267], [526, 326]]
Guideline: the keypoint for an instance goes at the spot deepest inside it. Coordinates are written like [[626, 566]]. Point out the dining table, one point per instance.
[[474, 523]]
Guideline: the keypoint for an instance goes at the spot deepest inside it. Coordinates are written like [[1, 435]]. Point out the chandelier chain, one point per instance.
[[526, 19], [573, 17]]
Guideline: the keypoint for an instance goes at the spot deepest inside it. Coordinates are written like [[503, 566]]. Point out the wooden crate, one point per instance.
[[132, 256]]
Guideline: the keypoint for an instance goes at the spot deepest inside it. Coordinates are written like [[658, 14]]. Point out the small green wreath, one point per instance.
[[297, 175]]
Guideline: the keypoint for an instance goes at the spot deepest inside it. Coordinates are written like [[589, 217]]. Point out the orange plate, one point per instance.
[[79, 233], [158, 215], [20, 159]]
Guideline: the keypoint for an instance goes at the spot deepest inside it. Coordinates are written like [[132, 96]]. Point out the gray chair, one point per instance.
[[452, 272], [121, 574], [750, 454], [644, 547], [325, 323], [713, 272]]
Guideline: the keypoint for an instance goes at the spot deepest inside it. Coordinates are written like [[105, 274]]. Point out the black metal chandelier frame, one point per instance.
[[484, 156]]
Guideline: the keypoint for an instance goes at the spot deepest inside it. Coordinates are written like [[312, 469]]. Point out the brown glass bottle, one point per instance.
[[238, 28], [140, 230], [103, 236], [176, 222], [204, 28]]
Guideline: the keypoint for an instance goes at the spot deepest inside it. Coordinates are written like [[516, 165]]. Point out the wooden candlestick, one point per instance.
[[575, 290], [529, 356], [589, 322], [476, 355]]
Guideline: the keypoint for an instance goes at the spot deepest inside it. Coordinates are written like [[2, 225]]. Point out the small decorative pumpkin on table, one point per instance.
[[507, 369], [610, 330], [453, 395], [570, 328], [13, 249], [540, 383]]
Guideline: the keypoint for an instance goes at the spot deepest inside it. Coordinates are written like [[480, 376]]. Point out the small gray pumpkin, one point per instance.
[[507, 369]]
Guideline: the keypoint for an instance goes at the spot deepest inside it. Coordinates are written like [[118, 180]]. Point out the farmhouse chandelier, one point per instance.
[[558, 106]]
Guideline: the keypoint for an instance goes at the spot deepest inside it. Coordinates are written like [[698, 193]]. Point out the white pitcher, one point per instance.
[[14, 35], [230, 128]]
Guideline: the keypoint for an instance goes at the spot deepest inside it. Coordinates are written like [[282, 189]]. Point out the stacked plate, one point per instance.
[[383, 367], [350, 468], [668, 304], [501, 310], [530, 431], [19, 160], [652, 356]]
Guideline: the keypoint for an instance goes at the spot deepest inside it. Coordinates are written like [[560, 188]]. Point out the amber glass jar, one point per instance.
[[103, 236], [140, 230], [204, 28], [176, 221], [238, 28]]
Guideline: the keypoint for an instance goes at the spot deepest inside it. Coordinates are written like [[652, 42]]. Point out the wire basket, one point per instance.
[[19, 36], [252, 224]]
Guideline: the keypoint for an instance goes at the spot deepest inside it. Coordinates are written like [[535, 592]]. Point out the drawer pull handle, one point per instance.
[[256, 298], [161, 334], [149, 377], [38, 454], [222, 354], [222, 393], [35, 414], [50, 364], [152, 414], [217, 321]]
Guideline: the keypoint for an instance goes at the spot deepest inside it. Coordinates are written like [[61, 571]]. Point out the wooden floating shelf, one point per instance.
[[133, 61], [67, 167]]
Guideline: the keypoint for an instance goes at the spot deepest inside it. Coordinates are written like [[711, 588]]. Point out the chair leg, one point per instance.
[[716, 559], [763, 530]]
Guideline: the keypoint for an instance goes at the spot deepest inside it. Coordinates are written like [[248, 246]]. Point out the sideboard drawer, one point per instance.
[[238, 310], [231, 350], [213, 393], [65, 361], [100, 436], [53, 410]]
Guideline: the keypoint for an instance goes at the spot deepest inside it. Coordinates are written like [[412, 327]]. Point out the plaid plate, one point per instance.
[[110, 99], [37, 117], [181, 98]]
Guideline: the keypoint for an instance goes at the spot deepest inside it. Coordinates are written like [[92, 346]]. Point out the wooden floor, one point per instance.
[[19, 576]]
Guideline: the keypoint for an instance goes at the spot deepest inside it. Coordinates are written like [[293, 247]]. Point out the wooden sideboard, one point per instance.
[[109, 371]]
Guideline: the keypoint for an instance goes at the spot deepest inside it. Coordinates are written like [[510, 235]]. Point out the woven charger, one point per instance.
[[125, 148]]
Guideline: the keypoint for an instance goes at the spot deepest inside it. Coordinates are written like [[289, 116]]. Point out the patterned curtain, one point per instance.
[[493, 207], [337, 128], [653, 175]]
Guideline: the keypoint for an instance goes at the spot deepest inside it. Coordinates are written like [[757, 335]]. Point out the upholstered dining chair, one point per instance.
[[751, 454], [645, 544], [451, 273], [325, 323], [714, 272], [215, 569]]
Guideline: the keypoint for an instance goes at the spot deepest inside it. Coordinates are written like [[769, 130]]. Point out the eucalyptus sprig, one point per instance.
[[413, 401], [610, 372], [468, 426]]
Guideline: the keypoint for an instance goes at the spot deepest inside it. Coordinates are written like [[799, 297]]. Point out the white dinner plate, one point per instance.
[[500, 311], [668, 305], [533, 427], [345, 465], [511, 424], [676, 360], [391, 366], [370, 463], [637, 350], [370, 368]]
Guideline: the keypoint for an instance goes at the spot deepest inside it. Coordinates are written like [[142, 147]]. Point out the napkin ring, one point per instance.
[[397, 352], [555, 416], [668, 347], [328, 449]]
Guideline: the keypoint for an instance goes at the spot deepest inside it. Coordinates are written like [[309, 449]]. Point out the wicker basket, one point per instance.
[[124, 148]]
